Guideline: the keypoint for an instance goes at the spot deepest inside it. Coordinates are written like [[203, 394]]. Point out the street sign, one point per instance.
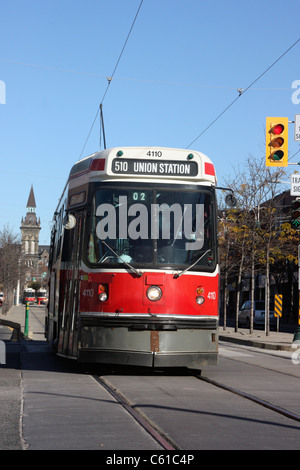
[[278, 305], [295, 184], [297, 127]]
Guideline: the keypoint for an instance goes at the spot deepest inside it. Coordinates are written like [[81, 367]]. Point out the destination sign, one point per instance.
[[160, 168]]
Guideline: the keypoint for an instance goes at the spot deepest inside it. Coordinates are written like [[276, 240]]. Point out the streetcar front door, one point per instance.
[[72, 253]]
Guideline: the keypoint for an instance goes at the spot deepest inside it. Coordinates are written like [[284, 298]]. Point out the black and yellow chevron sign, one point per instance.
[[278, 305]]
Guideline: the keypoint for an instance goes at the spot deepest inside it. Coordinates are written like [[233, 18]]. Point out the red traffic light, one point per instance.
[[296, 204], [278, 129]]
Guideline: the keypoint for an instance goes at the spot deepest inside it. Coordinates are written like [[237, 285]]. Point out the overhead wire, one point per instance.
[[243, 92], [109, 79], [134, 79]]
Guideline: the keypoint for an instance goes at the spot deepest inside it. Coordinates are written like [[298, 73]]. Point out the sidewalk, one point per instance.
[[280, 341], [14, 320], [276, 341]]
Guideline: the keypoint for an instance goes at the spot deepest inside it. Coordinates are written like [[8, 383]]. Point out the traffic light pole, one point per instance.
[[277, 156]]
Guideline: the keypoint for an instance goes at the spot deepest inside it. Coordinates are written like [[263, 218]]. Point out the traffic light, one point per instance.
[[277, 141], [295, 220]]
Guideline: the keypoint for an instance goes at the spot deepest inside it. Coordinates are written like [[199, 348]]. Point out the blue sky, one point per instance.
[[182, 66]]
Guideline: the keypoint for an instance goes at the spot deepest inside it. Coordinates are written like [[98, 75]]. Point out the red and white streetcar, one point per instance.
[[29, 295], [133, 270], [41, 296]]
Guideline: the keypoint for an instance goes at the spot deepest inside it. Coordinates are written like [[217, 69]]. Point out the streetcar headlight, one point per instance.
[[200, 299], [103, 296], [154, 293]]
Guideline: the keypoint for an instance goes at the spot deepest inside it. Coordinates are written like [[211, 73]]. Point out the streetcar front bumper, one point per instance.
[[150, 342]]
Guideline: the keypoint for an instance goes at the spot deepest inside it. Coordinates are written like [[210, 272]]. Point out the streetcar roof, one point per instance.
[[137, 164], [145, 163]]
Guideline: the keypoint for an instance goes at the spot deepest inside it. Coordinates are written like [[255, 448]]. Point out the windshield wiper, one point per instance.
[[122, 260], [176, 276]]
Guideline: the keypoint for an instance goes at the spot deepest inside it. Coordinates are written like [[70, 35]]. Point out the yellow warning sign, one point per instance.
[[278, 305]]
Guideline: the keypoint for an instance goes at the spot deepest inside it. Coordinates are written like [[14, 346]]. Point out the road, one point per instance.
[[195, 414], [63, 406]]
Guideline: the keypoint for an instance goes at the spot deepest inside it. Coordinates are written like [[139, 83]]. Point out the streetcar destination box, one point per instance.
[[145, 167]]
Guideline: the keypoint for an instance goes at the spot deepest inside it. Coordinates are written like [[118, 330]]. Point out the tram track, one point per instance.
[[173, 410], [142, 420], [155, 431], [158, 430], [247, 396]]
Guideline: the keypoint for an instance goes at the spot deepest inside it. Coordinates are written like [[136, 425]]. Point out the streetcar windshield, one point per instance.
[[158, 226]]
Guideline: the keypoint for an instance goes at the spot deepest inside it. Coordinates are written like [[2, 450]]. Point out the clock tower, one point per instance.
[[30, 229]]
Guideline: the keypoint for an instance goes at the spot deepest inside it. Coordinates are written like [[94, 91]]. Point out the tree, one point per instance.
[[233, 243], [36, 285], [10, 265], [256, 237]]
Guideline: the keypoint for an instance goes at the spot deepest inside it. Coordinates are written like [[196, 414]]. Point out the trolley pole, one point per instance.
[[26, 329]]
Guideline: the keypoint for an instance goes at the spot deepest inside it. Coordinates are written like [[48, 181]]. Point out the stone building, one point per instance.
[[35, 256]]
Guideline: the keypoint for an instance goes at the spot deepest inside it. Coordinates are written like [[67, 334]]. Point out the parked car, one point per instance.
[[258, 314]]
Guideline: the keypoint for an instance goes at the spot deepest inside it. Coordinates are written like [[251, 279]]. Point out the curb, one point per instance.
[[16, 335], [257, 344]]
